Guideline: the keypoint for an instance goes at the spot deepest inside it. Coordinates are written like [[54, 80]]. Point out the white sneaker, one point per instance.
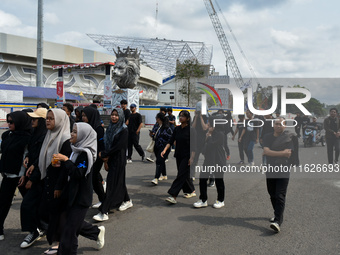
[[129, 161], [155, 181], [251, 163], [101, 217], [160, 178], [165, 177], [96, 206], [275, 226], [125, 205], [200, 204], [2, 237], [218, 204], [101, 236], [150, 159]]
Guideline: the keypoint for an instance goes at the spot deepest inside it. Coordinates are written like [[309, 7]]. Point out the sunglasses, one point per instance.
[[10, 122]]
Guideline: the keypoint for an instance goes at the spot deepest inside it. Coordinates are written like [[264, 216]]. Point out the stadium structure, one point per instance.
[[159, 54]]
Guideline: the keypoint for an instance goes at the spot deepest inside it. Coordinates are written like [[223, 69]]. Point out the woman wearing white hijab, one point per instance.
[[57, 140], [79, 189]]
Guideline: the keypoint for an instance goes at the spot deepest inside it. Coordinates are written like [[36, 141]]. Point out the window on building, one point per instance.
[[172, 93], [163, 93]]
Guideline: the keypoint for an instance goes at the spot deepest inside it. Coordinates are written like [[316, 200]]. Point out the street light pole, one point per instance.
[[39, 80]]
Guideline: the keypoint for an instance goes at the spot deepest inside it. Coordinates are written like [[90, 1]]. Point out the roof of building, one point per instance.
[[38, 92]]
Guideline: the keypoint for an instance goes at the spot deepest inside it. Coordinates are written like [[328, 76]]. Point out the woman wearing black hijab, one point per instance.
[[29, 213], [77, 112], [115, 140], [91, 116], [14, 143]]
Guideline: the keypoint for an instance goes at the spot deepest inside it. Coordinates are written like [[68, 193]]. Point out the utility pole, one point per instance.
[[40, 45]]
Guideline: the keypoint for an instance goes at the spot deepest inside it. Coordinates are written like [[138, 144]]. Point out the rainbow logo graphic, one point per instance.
[[209, 93]]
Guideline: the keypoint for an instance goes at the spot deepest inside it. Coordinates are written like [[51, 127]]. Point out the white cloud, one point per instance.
[[285, 39], [51, 18], [8, 20], [11, 24]]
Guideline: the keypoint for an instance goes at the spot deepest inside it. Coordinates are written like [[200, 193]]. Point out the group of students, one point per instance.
[[56, 172]]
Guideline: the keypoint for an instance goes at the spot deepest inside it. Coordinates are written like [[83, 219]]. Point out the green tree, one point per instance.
[[186, 71], [313, 105]]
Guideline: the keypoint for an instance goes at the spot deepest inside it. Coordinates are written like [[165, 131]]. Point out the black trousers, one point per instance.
[[241, 150], [219, 182], [183, 180], [225, 144], [333, 144], [7, 189], [29, 209], [277, 189], [73, 226], [160, 163], [298, 130], [97, 179], [133, 140]]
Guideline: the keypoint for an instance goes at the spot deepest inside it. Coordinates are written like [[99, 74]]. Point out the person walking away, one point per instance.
[[79, 190], [115, 140], [162, 138], [91, 116], [13, 145], [134, 127], [332, 128]]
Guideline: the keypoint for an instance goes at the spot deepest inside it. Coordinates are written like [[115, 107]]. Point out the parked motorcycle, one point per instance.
[[309, 134]]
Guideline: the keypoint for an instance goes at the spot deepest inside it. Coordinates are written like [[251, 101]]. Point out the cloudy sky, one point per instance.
[[280, 38]]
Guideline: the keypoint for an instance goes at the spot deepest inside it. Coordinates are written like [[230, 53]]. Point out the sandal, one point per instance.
[[52, 250]]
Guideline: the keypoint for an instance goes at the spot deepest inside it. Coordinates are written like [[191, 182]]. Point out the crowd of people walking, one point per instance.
[[55, 161]]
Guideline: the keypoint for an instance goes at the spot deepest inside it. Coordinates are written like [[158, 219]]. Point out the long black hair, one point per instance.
[[165, 120]]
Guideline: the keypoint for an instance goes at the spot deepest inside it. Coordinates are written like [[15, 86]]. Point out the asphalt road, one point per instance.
[[311, 224]]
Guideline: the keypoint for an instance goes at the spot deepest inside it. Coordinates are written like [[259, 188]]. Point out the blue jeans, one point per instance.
[[250, 152]]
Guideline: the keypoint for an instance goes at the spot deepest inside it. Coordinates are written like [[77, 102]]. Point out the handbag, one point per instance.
[[151, 145]]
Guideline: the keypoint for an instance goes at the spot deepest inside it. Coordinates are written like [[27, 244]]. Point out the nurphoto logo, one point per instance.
[[238, 100]]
